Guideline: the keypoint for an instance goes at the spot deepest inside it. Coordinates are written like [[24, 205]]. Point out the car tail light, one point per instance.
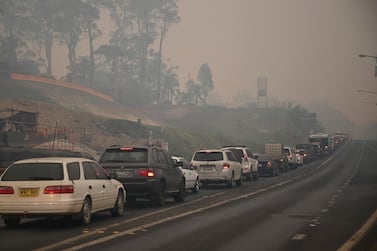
[[6, 190], [59, 189], [269, 164], [126, 148], [226, 166], [146, 173]]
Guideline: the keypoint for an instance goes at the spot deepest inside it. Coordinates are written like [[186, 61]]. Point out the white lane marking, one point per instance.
[[349, 244], [298, 237], [359, 234], [86, 232], [149, 225]]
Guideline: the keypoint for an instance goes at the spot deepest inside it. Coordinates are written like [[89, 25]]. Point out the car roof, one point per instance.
[[51, 159]]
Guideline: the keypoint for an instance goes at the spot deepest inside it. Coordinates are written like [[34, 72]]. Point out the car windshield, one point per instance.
[[132, 155], [208, 156], [34, 171]]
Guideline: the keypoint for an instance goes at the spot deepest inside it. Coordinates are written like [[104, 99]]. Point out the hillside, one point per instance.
[[97, 123]]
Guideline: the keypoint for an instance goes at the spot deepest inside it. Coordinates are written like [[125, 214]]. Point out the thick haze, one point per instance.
[[307, 49]]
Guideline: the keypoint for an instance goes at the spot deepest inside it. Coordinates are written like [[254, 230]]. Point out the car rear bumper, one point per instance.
[[142, 189], [42, 208]]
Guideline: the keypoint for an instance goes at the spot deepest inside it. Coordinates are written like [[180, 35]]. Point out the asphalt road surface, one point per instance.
[[329, 204]]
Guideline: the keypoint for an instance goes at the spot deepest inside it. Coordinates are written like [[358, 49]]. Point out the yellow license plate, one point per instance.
[[28, 192]]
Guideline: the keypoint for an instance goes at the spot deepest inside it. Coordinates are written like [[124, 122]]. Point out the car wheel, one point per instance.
[[12, 222], [119, 205], [181, 196], [160, 199], [196, 187], [231, 181], [273, 172], [86, 212]]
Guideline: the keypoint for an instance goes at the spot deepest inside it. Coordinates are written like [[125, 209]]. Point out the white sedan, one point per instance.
[[58, 186], [191, 176]]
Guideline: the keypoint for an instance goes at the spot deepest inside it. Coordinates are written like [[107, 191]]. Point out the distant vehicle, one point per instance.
[[299, 158], [58, 186], [146, 172], [325, 141], [291, 155], [310, 150], [267, 165], [216, 166], [191, 176], [247, 159], [304, 154], [276, 151]]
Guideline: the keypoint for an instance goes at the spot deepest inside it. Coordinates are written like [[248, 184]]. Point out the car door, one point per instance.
[[96, 186], [173, 173], [110, 191], [190, 176], [235, 164]]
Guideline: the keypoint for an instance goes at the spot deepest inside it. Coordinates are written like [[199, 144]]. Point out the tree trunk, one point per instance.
[[91, 55]]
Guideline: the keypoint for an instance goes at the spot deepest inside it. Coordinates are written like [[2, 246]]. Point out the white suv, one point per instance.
[[247, 159], [217, 166], [291, 156]]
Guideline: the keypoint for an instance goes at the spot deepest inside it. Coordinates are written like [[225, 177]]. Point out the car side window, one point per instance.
[[89, 171], [73, 171], [155, 156], [100, 172], [230, 156], [162, 158], [93, 171]]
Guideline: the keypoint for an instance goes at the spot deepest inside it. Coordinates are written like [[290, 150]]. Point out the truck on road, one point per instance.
[[276, 151]]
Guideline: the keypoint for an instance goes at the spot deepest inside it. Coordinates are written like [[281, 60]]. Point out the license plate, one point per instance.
[[28, 192], [125, 173], [206, 168]]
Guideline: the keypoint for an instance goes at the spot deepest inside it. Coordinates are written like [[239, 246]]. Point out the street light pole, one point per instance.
[[369, 56]]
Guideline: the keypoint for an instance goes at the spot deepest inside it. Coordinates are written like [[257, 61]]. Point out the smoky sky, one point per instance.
[[307, 49]]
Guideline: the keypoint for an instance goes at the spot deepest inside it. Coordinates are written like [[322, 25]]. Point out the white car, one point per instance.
[[216, 166], [58, 186], [191, 176], [291, 156], [247, 159]]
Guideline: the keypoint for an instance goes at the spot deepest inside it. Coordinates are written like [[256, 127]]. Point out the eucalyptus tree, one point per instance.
[[13, 16], [166, 15], [205, 83], [138, 23]]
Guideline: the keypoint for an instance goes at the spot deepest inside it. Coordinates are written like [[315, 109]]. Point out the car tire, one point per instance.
[[181, 195], [86, 212], [196, 187], [12, 222], [160, 198], [230, 183], [118, 209]]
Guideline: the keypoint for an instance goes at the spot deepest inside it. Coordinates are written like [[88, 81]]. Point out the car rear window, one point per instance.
[[208, 156], [125, 155], [34, 171]]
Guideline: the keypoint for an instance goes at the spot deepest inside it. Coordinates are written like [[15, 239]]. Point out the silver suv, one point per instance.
[[216, 166], [247, 159]]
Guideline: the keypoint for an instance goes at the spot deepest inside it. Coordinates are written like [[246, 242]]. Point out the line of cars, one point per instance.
[[78, 187]]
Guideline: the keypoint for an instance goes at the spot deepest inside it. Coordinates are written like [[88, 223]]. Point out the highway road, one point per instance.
[[329, 204]]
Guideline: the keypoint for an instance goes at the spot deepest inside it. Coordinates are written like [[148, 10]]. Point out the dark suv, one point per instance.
[[145, 172]]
